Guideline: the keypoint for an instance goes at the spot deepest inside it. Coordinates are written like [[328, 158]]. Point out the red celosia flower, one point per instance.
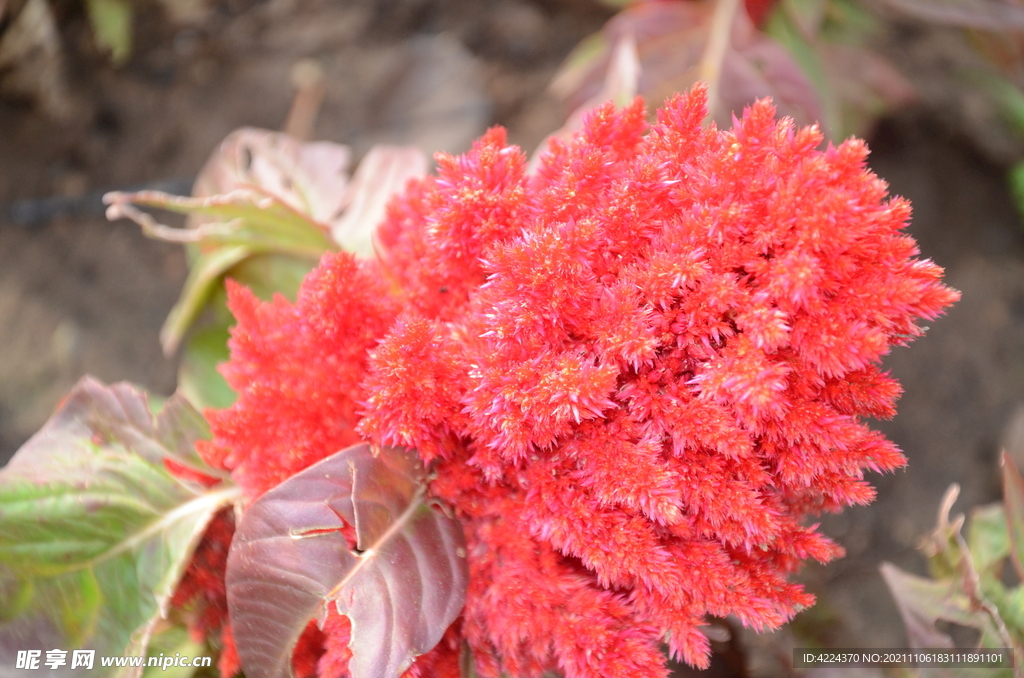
[[201, 590], [636, 372], [303, 397]]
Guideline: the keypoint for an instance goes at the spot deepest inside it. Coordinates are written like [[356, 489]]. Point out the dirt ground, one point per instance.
[[81, 295]]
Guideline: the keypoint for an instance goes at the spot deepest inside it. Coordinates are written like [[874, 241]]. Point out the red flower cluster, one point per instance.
[[201, 594], [635, 371]]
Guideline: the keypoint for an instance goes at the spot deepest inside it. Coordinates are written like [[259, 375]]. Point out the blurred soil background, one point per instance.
[[81, 295]]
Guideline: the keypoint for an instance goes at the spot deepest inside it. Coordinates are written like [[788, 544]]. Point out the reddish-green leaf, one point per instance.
[[830, 40], [924, 603], [671, 39], [1013, 497], [401, 587], [991, 15], [960, 592], [95, 532]]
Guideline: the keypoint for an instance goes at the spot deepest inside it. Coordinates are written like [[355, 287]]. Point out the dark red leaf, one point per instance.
[[990, 15], [671, 38], [401, 588]]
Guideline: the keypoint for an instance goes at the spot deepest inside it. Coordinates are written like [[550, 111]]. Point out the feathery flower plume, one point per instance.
[[636, 373]]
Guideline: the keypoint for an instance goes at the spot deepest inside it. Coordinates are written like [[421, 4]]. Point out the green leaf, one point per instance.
[[264, 272], [1003, 91], [111, 22], [94, 526], [266, 207], [1016, 178], [198, 378], [260, 193], [16, 594], [249, 218], [172, 641], [850, 22], [987, 539], [203, 279], [401, 587], [1011, 607], [830, 40], [269, 274], [784, 26]]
